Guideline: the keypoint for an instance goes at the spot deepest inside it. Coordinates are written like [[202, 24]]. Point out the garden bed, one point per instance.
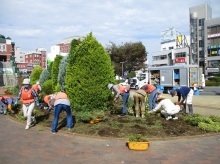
[[153, 126]]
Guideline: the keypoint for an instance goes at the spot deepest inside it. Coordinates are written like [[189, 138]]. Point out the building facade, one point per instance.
[[201, 48], [32, 59], [174, 49], [212, 46], [6, 48], [197, 17], [62, 48]]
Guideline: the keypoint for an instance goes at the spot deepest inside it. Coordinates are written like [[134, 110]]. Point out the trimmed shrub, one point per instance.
[[45, 75], [88, 75], [55, 71], [47, 87], [35, 74], [62, 73]]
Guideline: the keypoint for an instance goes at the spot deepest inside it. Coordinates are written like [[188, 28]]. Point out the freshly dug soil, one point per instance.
[[153, 126]]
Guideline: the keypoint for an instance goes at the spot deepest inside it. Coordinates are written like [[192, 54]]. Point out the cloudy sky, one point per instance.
[[42, 23]]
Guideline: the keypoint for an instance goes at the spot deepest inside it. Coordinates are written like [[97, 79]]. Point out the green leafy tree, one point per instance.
[[131, 74], [62, 73], [88, 75], [35, 74], [55, 71], [45, 75], [133, 55]]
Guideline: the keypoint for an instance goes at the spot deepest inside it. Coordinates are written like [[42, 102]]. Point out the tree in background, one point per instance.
[[62, 73], [45, 75], [55, 72], [35, 74], [88, 75], [133, 55], [131, 74]]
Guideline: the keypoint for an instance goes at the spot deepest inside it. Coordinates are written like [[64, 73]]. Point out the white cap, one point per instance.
[[37, 82], [26, 81], [110, 86]]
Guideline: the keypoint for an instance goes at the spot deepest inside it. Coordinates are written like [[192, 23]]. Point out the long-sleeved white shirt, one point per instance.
[[168, 106]]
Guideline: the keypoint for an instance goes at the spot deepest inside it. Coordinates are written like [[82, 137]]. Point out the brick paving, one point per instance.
[[38, 145], [35, 145]]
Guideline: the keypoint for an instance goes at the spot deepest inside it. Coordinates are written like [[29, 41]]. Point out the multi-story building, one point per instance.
[[212, 46], [197, 17], [62, 48], [174, 49], [32, 59], [202, 48], [19, 55], [6, 47]]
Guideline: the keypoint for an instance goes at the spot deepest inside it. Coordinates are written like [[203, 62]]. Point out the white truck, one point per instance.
[[137, 82], [171, 77]]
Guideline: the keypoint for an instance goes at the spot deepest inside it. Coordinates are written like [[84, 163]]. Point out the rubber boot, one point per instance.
[[183, 110], [190, 109]]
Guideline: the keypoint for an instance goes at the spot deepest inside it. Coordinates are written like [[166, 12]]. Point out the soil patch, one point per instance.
[[122, 127]]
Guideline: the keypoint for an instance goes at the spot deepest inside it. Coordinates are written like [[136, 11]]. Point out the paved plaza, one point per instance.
[[38, 145]]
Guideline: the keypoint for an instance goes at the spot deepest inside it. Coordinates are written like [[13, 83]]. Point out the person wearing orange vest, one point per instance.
[[60, 104], [47, 101], [124, 92], [37, 87], [28, 97], [152, 91]]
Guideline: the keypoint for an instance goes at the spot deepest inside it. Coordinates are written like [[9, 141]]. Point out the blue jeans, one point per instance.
[[152, 99], [125, 97], [3, 108], [57, 110]]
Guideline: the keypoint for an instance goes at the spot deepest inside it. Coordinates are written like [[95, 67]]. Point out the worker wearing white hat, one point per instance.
[[28, 98]]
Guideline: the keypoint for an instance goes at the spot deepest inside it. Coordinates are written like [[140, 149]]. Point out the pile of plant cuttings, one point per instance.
[[111, 125]]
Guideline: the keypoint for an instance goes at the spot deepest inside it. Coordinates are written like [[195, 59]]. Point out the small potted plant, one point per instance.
[[138, 142]]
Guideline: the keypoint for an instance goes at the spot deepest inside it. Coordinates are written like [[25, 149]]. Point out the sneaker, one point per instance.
[[142, 116], [137, 116], [175, 118], [33, 120], [53, 132], [168, 118], [27, 127], [122, 115], [69, 129]]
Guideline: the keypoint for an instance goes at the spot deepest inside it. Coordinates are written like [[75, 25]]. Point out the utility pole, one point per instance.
[[122, 69]]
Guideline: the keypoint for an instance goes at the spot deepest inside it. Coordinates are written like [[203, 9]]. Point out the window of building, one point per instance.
[[182, 54], [201, 54], [201, 22], [201, 43], [170, 48], [214, 30], [162, 57]]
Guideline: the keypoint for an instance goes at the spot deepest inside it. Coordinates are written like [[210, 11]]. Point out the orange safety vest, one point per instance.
[[47, 98], [150, 88], [36, 88], [61, 95], [123, 89], [26, 96]]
